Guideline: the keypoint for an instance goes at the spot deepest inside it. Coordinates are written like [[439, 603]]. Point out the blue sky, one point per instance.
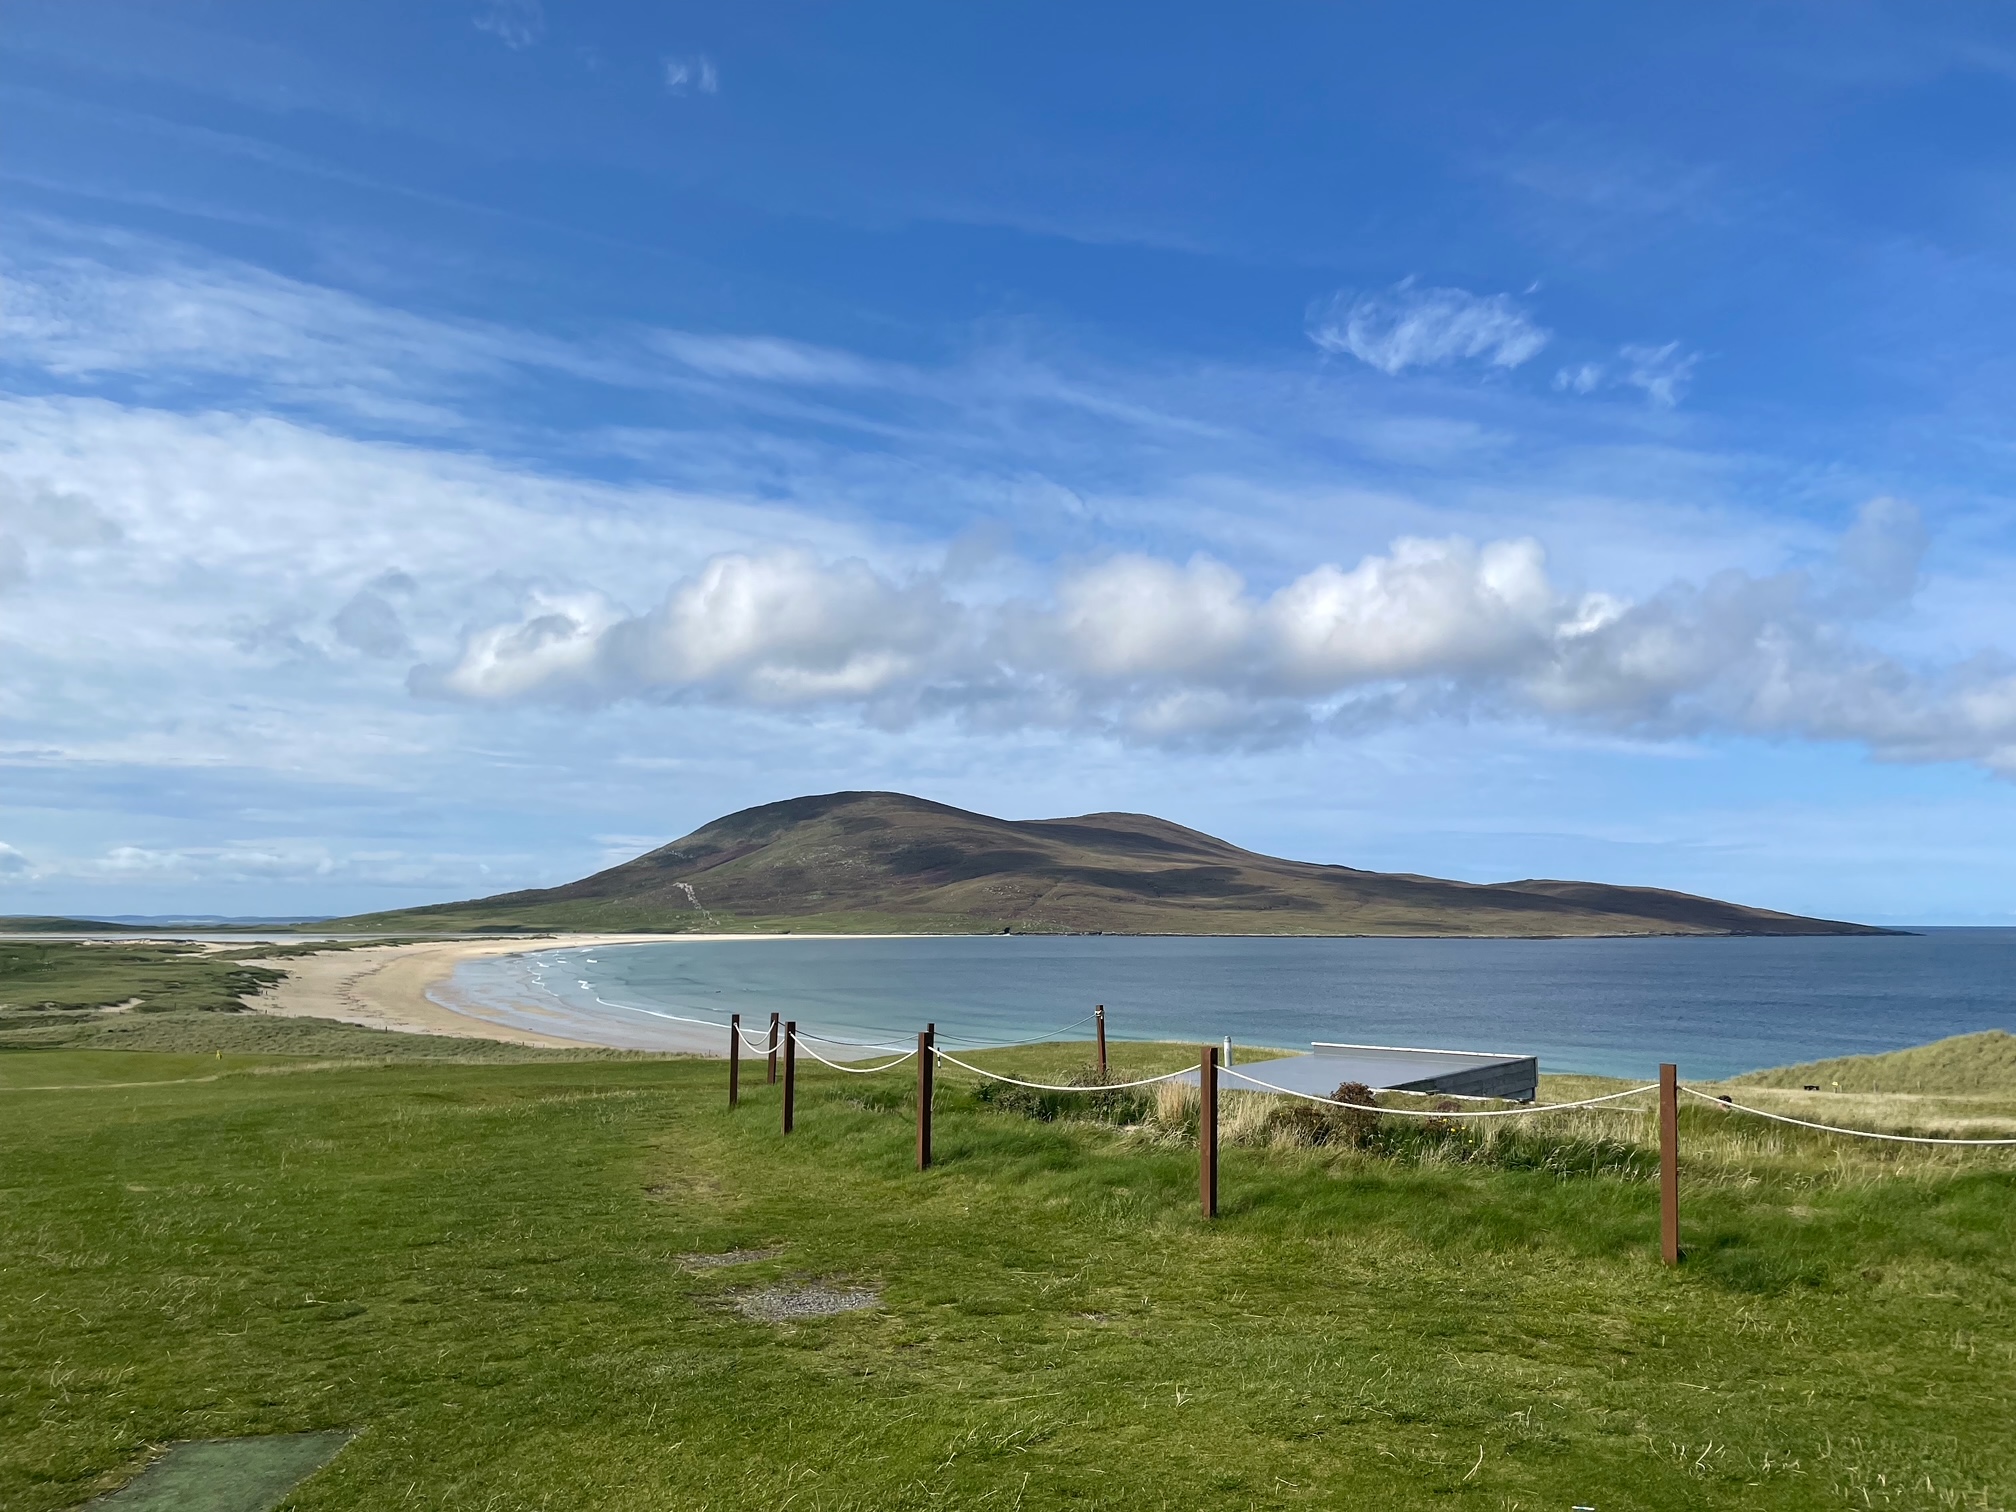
[[447, 447]]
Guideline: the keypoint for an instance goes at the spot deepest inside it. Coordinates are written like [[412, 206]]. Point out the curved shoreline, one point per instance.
[[394, 986], [408, 987]]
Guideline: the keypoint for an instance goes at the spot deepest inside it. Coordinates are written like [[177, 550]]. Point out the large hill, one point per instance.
[[863, 862]]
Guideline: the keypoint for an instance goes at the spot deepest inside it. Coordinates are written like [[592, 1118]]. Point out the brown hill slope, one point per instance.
[[861, 862]]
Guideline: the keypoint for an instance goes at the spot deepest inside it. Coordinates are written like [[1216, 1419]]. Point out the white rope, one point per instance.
[[970, 1043], [853, 1070], [827, 1039], [1589, 1102], [1146, 1081], [1722, 1102], [761, 1042], [1041, 1039], [661, 1013]]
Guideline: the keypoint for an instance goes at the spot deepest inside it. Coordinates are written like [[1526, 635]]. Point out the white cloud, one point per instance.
[[281, 861], [1582, 378], [1435, 608], [137, 314], [768, 359], [1661, 373], [1134, 616], [1145, 648], [225, 581], [691, 74], [50, 519], [1408, 326], [13, 863], [776, 628], [554, 644], [518, 24]]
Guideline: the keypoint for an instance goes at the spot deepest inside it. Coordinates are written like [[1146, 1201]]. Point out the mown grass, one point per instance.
[[476, 1265]]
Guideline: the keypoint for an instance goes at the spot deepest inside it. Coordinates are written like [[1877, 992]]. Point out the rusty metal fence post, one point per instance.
[[1207, 1130], [926, 1046], [1669, 1164], [773, 1049], [790, 1070], [734, 1059]]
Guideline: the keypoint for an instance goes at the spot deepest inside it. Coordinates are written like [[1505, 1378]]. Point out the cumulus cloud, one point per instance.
[[1409, 326], [1150, 649], [555, 646], [12, 862], [775, 628]]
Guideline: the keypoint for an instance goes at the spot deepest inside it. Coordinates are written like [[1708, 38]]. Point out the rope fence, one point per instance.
[[1805, 1123], [1104, 1086], [852, 1070], [928, 1056]]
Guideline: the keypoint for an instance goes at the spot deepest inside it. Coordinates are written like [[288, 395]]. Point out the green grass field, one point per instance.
[[478, 1267]]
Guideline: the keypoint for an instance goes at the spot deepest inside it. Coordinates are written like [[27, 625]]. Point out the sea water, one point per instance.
[[1613, 1006]]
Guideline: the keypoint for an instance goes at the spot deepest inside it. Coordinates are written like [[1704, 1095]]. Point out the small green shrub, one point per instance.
[[1093, 1105]]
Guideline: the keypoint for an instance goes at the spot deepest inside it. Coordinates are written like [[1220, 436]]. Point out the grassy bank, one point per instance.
[[479, 1266], [1966, 1063], [59, 975]]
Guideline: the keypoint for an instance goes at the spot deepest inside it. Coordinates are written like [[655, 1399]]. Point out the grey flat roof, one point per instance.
[[1382, 1067]]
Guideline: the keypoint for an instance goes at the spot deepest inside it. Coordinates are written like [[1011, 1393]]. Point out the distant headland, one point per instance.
[[891, 863]]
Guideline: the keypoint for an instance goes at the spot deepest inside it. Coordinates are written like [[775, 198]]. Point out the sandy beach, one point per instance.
[[388, 986], [409, 987]]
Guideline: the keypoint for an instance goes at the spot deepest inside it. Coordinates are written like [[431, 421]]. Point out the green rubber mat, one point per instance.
[[224, 1475]]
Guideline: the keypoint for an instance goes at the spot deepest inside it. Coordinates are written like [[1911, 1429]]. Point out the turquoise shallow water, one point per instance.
[[1616, 1007]]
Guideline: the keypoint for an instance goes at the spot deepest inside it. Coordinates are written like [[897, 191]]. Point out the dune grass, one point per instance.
[[206, 1032], [1984, 1062], [479, 1268], [67, 975]]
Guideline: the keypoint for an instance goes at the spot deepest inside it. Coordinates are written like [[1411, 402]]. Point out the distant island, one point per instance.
[[863, 863]]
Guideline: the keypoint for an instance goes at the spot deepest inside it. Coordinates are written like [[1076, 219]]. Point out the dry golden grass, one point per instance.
[[1724, 1147]]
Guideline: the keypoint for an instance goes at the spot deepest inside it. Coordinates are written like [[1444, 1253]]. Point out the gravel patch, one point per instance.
[[729, 1257], [787, 1304]]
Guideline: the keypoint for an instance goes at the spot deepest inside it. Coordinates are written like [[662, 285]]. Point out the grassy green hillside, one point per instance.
[[504, 1277], [874, 862], [1966, 1063]]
